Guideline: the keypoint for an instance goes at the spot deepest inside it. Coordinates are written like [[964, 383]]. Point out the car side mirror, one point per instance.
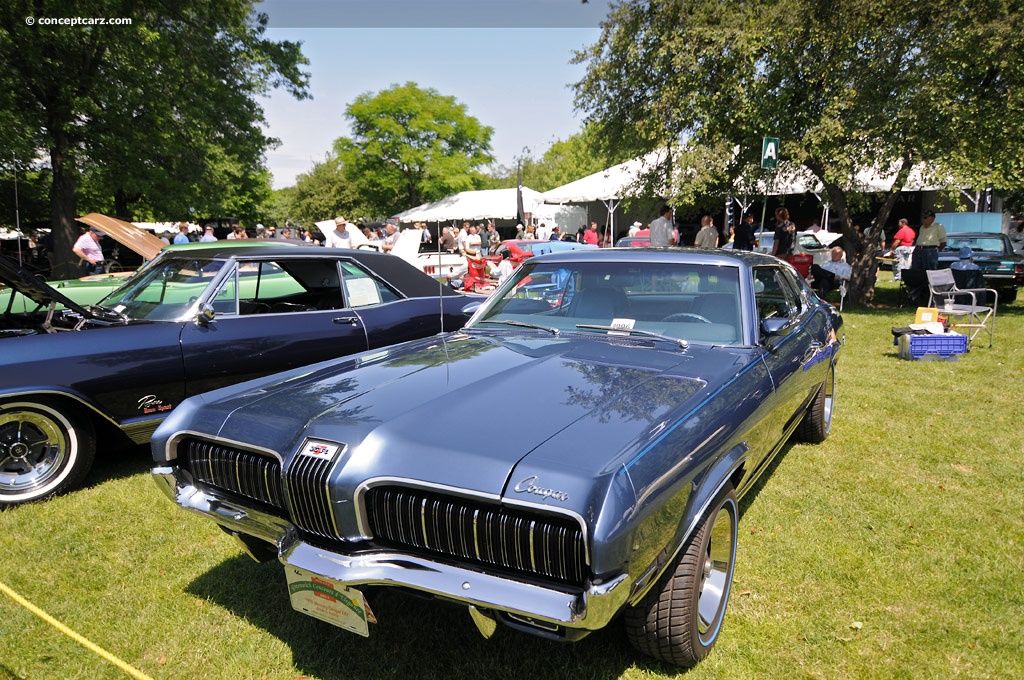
[[470, 309], [773, 325], [205, 315]]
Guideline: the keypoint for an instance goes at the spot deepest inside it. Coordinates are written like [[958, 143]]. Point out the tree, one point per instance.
[[411, 145], [322, 193], [930, 86], [566, 160], [160, 112]]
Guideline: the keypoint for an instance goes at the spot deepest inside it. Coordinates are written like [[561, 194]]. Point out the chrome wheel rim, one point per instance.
[[830, 395], [717, 572], [33, 449]]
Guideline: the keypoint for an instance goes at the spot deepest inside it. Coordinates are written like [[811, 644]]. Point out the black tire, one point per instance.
[[679, 619], [1007, 295], [44, 450], [817, 422]]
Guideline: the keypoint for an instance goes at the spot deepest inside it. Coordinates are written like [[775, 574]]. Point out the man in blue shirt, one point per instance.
[[182, 236]]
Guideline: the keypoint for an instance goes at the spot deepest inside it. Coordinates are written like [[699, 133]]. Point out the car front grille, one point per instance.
[[516, 541], [309, 496], [548, 547], [250, 475], [257, 477]]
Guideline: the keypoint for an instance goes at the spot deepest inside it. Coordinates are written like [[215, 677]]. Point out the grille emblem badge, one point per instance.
[[319, 449]]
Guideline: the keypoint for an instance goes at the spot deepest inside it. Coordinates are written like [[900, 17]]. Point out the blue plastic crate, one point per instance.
[[942, 346]]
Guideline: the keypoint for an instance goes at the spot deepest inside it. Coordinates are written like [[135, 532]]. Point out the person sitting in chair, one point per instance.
[[827, 276], [966, 272]]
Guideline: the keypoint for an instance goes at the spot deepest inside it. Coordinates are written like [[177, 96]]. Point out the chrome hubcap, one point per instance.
[[830, 391], [717, 572], [32, 449]]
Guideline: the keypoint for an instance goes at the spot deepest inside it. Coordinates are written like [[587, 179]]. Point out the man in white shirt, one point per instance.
[[208, 236], [474, 243], [506, 268], [391, 235], [462, 238], [827, 276], [88, 248], [662, 229], [341, 237]]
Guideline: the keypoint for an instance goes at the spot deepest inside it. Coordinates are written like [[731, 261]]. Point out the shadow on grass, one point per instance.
[[7, 674], [119, 464], [755, 489], [415, 637], [890, 298]]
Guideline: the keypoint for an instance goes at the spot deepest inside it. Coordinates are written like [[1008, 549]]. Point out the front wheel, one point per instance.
[[817, 422], [679, 620], [44, 450]]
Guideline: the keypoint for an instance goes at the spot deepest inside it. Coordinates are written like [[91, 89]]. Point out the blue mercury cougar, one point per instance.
[[659, 384]]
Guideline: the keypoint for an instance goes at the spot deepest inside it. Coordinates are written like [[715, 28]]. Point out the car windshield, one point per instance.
[[810, 242], [685, 301], [165, 290], [983, 245]]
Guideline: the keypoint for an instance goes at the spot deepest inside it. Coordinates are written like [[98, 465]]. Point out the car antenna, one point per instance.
[[440, 286]]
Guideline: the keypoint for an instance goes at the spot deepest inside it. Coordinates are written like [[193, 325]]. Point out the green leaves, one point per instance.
[[160, 115], [848, 87], [411, 145]]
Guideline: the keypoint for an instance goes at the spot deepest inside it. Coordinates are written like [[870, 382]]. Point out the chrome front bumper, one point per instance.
[[544, 610]]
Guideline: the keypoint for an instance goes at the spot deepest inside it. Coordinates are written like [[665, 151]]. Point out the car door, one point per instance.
[[791, 354], [270, 316]]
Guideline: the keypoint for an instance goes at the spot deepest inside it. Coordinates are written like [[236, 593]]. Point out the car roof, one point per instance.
[[233, 247], [974, 234], [713, 256], [407, 279]]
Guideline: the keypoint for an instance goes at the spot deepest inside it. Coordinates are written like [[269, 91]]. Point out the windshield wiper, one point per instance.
[[521, 324], [682, 344]]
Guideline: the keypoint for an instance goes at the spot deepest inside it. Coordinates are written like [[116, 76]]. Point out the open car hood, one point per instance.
[[21, 280], [127, 234]]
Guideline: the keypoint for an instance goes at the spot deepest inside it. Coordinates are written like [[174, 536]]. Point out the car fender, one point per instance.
[[728, 469], [59, 392]]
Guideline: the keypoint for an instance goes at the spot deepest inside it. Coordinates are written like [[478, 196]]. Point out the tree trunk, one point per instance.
[[860, 242], [64, 263], [122, 205]]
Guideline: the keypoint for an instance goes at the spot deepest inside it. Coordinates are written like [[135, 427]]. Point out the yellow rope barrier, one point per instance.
[[139, 675]]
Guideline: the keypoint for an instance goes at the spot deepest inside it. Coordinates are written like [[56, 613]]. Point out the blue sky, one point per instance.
[[514, 80], [508, 62]]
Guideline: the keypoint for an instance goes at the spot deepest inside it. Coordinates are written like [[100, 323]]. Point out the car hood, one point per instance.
[[467, 410], [127, 234], [21, 280]]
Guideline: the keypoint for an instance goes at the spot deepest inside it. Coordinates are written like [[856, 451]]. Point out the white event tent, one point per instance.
[[607, 186], [493, 204]]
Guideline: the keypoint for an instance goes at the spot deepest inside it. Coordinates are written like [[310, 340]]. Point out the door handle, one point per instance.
[[350, 320]]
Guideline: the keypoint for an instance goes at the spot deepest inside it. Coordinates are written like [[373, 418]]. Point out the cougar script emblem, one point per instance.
[[529, 485]]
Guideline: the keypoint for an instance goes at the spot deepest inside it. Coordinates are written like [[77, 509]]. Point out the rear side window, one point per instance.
[[362, 289]]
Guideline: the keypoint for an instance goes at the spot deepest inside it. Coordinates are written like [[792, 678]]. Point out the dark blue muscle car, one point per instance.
[[658, 385], [194, 319]]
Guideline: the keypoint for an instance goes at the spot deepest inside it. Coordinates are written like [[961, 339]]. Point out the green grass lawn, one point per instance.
[[894, 549]]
